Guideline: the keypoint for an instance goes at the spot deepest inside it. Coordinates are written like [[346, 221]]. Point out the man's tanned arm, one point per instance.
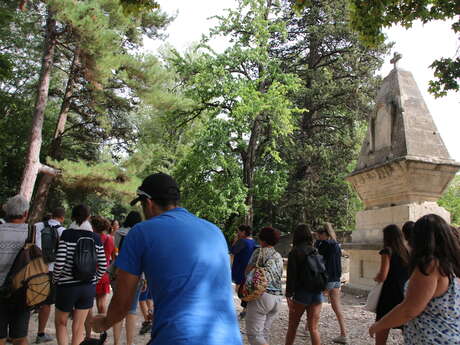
[[120, 304]]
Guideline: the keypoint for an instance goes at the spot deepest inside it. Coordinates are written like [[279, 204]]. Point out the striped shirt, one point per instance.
[[63, 268]]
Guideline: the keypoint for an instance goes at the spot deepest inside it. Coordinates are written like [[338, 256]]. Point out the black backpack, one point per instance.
[[315, 274], [50, 241], [85, 259]]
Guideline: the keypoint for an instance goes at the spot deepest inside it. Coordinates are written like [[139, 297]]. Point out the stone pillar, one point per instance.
[[402, 170]]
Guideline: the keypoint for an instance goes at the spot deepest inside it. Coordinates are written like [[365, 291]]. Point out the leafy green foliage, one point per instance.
[[451, 201], [17, 89], [102, 178], [447, 71], [137, 6], [243, 97], [369, 18]]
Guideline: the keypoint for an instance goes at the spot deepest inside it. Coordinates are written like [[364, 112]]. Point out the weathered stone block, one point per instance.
[[369, 223], [364, 265]]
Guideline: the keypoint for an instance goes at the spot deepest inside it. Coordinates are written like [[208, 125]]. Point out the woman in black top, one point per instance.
[[329, 248], [298, 297], [393, 273]]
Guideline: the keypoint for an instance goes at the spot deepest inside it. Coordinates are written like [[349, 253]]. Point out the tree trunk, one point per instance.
[[249, 163], [33, 165], [41, 194]]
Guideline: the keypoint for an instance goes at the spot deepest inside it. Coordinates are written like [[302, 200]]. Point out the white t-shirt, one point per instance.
[[38, 235]]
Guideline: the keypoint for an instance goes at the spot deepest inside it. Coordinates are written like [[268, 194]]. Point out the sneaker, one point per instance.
[[146, 327], [43, 338], [341, 339]]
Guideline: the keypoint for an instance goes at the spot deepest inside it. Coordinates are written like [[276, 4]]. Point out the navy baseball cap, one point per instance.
[[157, 186]]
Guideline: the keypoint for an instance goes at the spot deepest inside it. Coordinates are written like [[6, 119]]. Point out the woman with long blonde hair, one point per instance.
[[329, 248]]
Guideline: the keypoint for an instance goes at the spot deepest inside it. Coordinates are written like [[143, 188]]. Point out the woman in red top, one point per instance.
[[101, 226]]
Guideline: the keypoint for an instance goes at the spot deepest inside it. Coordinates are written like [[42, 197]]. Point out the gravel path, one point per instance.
[[357, 320]]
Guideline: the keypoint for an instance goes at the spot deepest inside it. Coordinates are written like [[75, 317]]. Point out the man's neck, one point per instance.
[[158, 211]]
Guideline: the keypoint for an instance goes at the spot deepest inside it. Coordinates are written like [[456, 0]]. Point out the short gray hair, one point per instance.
[[16, 207]]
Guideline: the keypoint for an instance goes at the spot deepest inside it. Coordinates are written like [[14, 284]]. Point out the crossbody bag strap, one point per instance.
[[268, 259], [30, 234], [261, 252]]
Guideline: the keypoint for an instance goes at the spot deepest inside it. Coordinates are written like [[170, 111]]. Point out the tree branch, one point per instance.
[[47, 170]]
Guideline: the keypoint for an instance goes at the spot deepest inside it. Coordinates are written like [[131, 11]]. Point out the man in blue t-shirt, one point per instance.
[[187, 268]]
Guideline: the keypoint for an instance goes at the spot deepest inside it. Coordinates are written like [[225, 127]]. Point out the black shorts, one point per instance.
[[75, 297], [13, 323], [52, 296]]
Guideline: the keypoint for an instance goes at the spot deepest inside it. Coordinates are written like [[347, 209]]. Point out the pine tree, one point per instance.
[[97, 36]]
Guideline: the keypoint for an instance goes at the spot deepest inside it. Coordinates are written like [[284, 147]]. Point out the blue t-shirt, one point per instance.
[[242, 250], [186, 264]]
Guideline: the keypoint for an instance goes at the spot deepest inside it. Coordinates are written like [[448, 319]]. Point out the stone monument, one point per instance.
[[402, 170]]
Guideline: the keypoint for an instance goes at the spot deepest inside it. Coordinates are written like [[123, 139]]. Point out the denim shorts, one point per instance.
[[333, 285], [307, 298]]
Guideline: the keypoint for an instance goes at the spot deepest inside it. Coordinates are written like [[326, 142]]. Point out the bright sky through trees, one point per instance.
[[419, 46]]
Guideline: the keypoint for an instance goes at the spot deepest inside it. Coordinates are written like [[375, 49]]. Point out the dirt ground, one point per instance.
[[357, 320]]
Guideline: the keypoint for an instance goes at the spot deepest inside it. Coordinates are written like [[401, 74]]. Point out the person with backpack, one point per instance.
[[261, 312], [329, 248], [47, 234], [14, 322], [306, 280], [80, 264]]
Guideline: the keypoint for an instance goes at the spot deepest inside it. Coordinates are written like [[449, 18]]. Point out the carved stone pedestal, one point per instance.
[[367, 239]]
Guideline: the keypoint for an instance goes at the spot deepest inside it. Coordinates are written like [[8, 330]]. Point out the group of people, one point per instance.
[[300, 294], [183, 261], [419, 272], [73, 296]]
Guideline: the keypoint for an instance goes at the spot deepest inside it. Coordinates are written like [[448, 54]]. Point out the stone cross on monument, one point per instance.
[[402, 170], [396, 57]]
